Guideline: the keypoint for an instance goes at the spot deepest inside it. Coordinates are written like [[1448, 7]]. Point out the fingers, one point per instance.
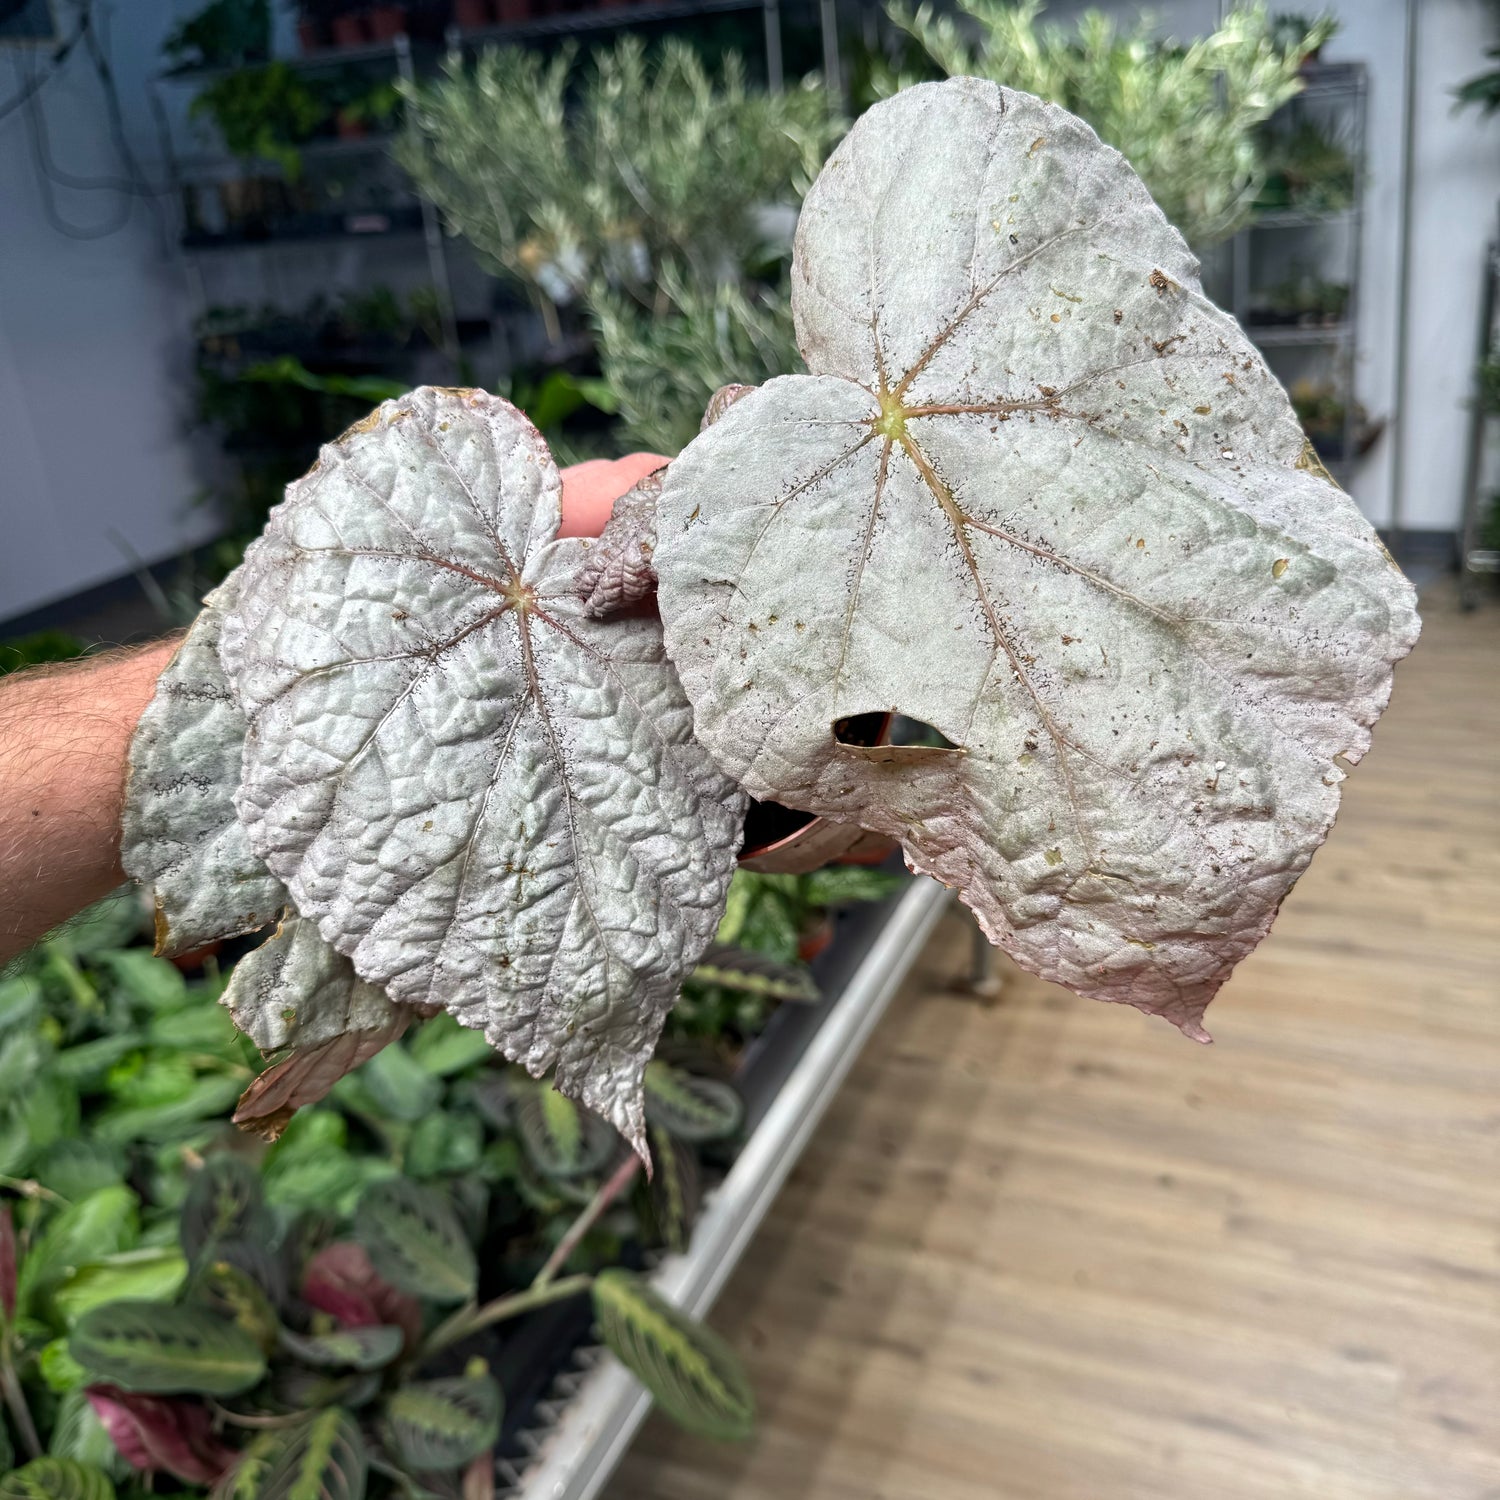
[[591, 489]]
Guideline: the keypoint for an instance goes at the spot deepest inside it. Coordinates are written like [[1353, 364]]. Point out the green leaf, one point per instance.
[[22, 1054], [20, 1000], [369, 1348], [104, 1223], [323, 1460], [135, 1275], [401, 1087], [750, 973], [692, 1108], [57, 1479], [675, 1189], [60, 1372], [444, 1144], [443, 1047], [232, 1292], [414, 1240], [838, 885], [88, 1062], [224, 1202], [154, 983], [561, 1138], [440, 1424], [74, 1169], [694, 1375], [159, 1349], [206, 1098], [201, 1027], [49, 1111], [112, 923], [77, 1433]]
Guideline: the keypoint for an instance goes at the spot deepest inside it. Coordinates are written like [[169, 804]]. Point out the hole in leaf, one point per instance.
[[901, 741]]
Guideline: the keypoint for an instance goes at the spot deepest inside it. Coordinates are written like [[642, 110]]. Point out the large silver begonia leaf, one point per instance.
[[485, 798], [179, 832], [1042, 495]]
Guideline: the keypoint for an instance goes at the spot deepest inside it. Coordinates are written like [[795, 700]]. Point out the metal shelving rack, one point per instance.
[[1335, 96], [406, 60], [1475, 559]]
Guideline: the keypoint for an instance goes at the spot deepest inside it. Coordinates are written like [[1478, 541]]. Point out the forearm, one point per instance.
[[64, 737]]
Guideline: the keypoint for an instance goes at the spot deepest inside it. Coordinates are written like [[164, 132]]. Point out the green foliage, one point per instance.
[[325, 1459], [1185, 117], [442, 1424], [693, 1374], [39, 648], [1306, 170], [225, 33], [56, 1479], [159, 1349], [651, 204], [415, 1240], [692, 1109], [149, 1257], [263, 114]]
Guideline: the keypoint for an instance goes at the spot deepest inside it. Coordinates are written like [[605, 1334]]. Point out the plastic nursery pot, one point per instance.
[[310, 35], [783, 841]]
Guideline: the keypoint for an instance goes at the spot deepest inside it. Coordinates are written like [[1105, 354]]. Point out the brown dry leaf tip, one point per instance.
[[1125, 819]]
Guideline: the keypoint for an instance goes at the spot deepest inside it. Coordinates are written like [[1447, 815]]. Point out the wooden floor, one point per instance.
[[1052, 1251]]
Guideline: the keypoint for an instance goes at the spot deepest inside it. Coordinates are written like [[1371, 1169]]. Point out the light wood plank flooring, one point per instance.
[[1049, 1250]]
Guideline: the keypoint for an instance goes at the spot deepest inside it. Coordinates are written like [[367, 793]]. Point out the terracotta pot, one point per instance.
[[472, 14], [815, 940], [386, 23], [350, 127], [309, 35], [349, 31]]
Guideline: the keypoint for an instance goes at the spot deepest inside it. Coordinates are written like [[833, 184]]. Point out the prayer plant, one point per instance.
[[1035, 492]]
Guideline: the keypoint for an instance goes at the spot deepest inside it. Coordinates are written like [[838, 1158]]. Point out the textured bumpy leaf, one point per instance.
[[440, 1424], [618, 571], [694, 1375], [294, 990], [180, 833], [415, 1241], [1041, 495], [484, 797], [159, 1349]]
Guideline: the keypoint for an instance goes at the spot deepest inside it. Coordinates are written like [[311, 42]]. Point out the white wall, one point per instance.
[[94, 344]]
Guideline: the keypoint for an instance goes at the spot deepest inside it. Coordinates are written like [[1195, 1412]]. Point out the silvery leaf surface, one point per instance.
[[179, 831], [486, 799], [618, 572], [294, 990], [1040, 494]]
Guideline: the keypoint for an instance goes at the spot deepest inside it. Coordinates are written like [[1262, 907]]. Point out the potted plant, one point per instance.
[[224, 34], [263, 114]]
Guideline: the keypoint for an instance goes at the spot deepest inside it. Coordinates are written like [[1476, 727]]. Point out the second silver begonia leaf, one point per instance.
[[179, 833], [485, 798], [1040, 494]]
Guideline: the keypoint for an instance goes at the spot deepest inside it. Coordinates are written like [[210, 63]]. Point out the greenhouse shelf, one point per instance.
[[600, 1406]]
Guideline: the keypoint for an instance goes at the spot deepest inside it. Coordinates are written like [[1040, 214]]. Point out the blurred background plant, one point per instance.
[[644, 201], [179, 1299], [1187, 117]]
